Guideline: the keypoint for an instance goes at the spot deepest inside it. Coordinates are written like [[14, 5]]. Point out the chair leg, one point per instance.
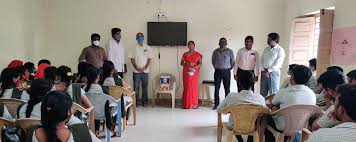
[[220, 130], [202, 95], [134, 109], [257, 137], [230, 136], [173, 100], [124, 123]]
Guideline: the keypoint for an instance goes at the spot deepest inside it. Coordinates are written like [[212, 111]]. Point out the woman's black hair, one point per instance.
[[108, 68], [65, 75], [7, 79], [29, 66], [83, 70], [38, 90], [93, 74], [51, 73], [192, 42], [54, 110]]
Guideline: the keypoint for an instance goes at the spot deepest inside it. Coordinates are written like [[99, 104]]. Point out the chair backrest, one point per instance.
[[156, 81], [25, 123], [98, 100], [296, 117], [245, 116], [12, 105]]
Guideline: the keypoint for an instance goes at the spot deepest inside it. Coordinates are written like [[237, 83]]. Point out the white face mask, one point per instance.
[[96, 42]]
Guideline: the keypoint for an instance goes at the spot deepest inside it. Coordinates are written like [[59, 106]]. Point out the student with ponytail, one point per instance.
[[65, 76], [56, 112], [38, 90], [92, 85]]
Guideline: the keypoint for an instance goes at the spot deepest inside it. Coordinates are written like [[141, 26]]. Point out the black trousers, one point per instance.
[[223, 75], [239, 88]]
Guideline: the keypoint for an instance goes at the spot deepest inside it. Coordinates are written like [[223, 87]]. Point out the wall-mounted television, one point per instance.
[[167, 33]]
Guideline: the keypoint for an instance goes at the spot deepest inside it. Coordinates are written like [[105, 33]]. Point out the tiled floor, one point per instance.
[[157, 124]]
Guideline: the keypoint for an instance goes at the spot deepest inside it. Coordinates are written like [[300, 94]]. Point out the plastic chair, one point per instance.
[[305, 134], [12, 105], [296, 118], [172, 87], [98, 100], [90, 111], [248, 119], [116, 92]]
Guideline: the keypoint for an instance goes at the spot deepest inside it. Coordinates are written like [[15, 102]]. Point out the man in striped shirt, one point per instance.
[[344, 115]]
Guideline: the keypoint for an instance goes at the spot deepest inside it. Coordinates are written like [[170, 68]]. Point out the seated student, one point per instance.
[[108, 78], [81, 76], [9, 79], [295, 94], [64, 74], [30, 67], [286, 82], [55, 112], [344, 115], [246, 95], [40, 70], [38, 90], [43, 61], [312, 83], [329, 80], [351, 77], [335, 68], [50, 73], [92, 85]]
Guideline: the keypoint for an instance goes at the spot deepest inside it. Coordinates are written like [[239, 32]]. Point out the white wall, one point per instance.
[[70, 23], [11, 31]]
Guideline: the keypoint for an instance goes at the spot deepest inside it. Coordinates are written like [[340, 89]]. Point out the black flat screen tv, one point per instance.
[[167, 33]]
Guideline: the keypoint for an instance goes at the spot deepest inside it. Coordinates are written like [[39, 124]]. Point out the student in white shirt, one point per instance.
[[295, 94], [92, 85], [344, 115], [271, 64], [329, 81], [246, 81], [286, 82], [115, 51], [56, 112], [65, 76], [9, 77], [141, 56], [247, 59]]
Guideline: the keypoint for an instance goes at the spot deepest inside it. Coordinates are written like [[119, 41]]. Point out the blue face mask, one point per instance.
[[140, 39]]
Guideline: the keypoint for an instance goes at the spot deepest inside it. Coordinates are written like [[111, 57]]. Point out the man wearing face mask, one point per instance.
[[94, 54], [140, 57], [344, 115], [271, 64], [223, 61], [115, 51], [247, 59]]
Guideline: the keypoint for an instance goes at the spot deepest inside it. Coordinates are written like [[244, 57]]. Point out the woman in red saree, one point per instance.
[[191, 62]]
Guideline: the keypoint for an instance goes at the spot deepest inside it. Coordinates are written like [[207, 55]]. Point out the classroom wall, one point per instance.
[[68, 26], [12, 44], [344, 17]]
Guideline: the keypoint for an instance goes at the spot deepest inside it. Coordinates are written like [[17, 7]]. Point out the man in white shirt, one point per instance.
[[271, 64], [344, 115], [247, 59], [329, 81], [141, 56], [246, 82], [115, 51], [295, 94]]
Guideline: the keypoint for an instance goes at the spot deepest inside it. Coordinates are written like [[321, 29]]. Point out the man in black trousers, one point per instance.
[[223, 61]]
